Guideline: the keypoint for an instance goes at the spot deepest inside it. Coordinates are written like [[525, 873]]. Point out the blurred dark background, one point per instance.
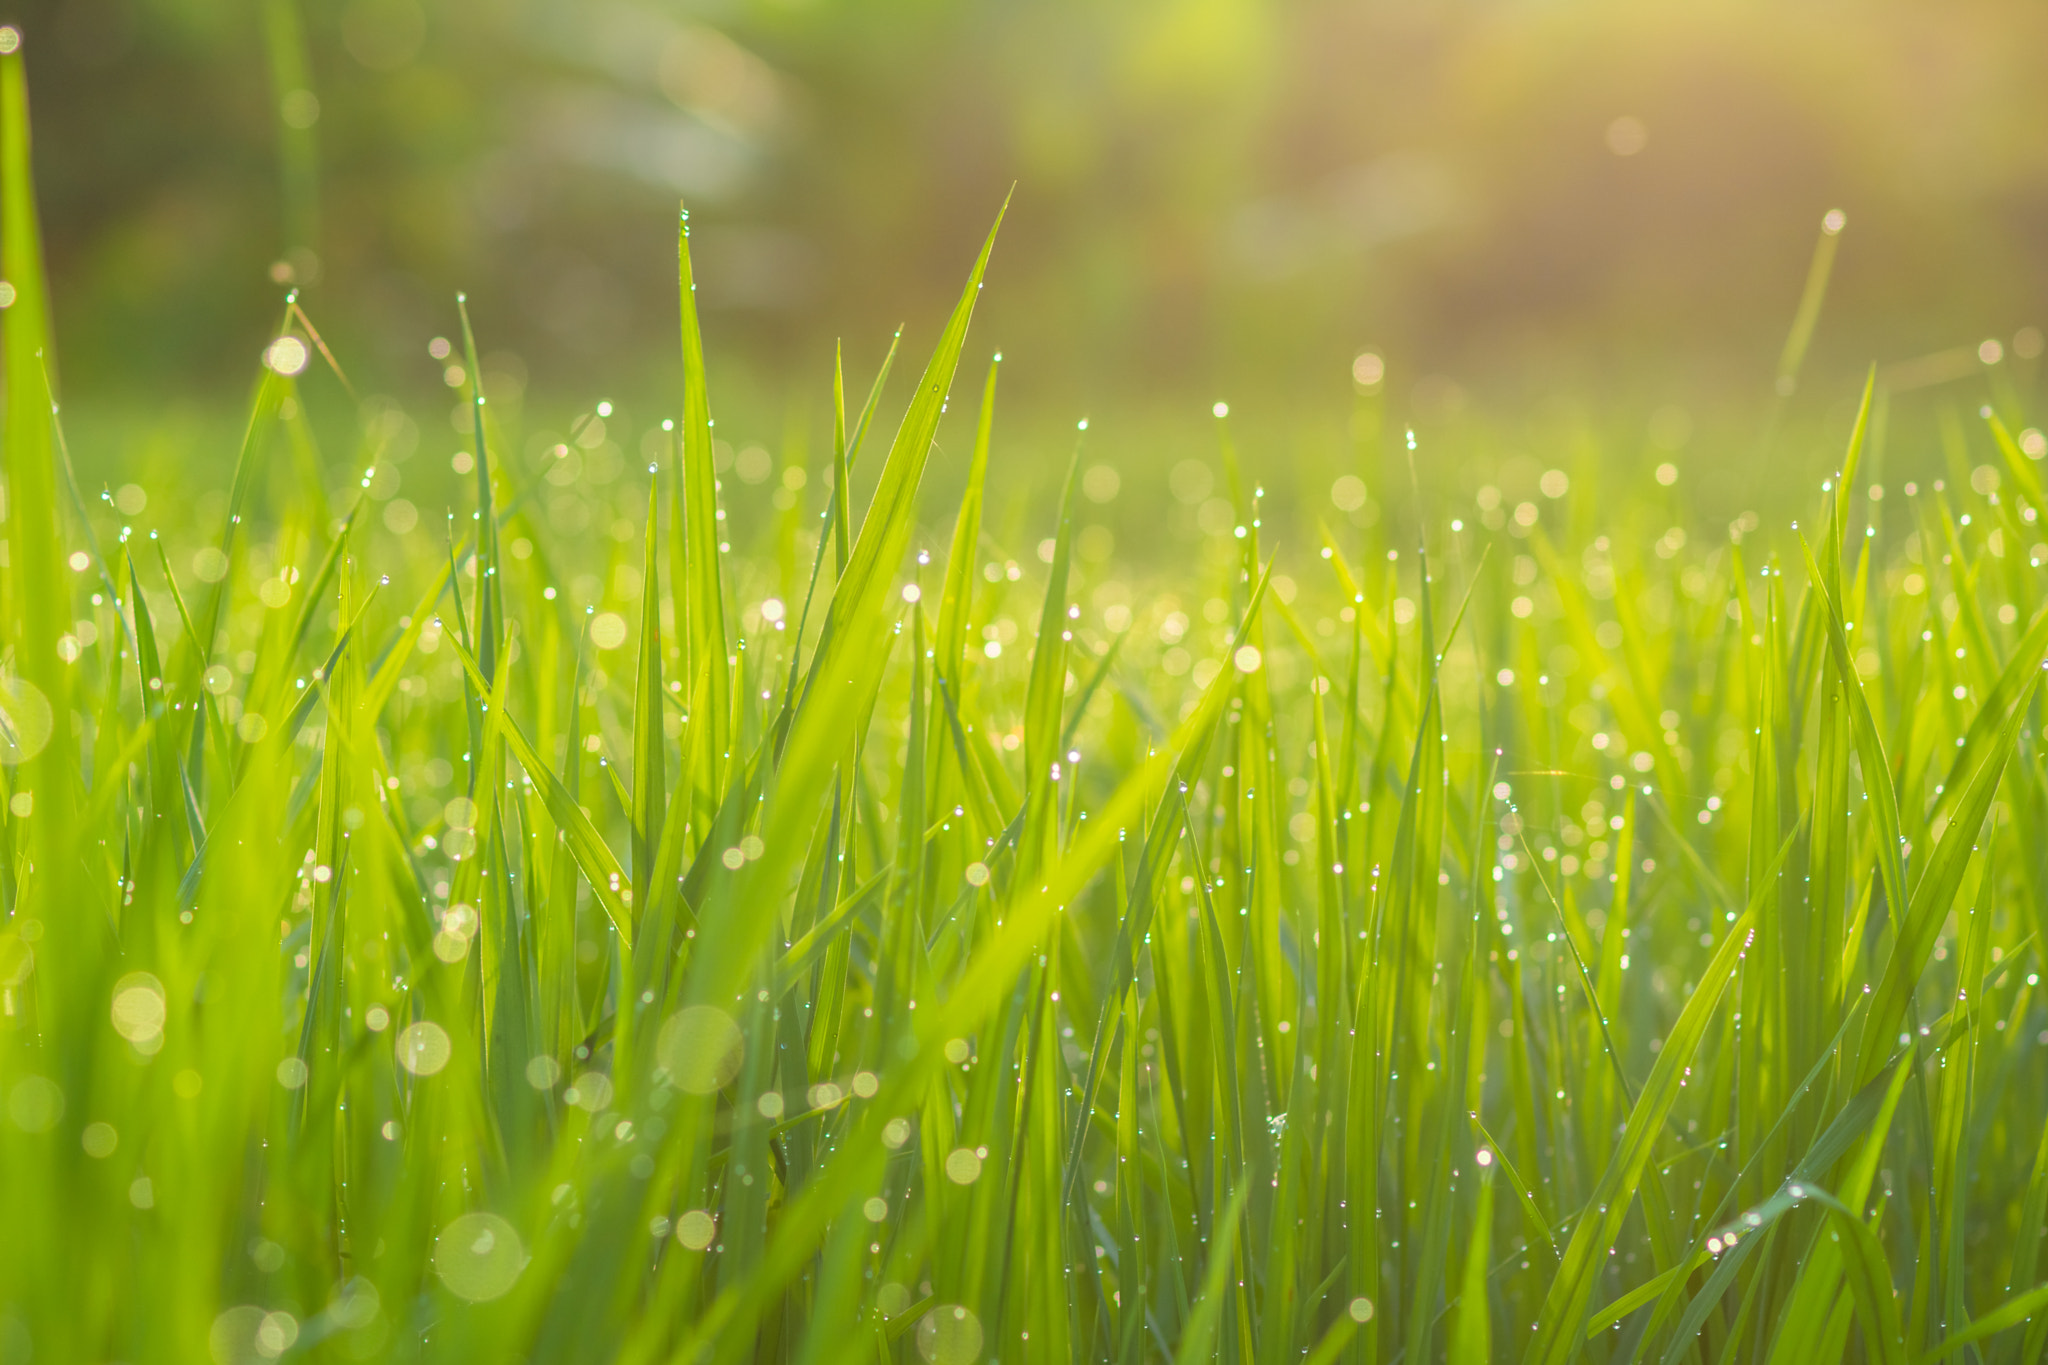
[[1211, 196]]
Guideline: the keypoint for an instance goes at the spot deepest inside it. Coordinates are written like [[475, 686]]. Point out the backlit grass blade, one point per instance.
[[950, 637], [701, 596], [2014, 1311], [1869, 1279], [1793, 356], [1934, 895], [1564, 1306], [847, 673], [490, 600], [599, 865], [1200, 1332], [35, 559], [1471, 1341], [1044, 693], [1877, 772], [285, 45], [974, 995], [650, 757]]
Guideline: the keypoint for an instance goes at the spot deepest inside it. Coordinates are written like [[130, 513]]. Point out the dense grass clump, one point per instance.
[[810, 941]]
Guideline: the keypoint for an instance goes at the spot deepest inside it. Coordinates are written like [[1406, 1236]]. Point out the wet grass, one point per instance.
[[859, 930]]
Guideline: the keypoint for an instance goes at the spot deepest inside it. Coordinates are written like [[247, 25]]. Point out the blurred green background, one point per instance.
[[1510, 201]]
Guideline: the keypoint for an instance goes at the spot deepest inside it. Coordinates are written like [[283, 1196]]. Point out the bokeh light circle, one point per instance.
[[25, 720], [138, 1010], [423, 1048], [287, 355], [701, 1047], [949, 1335], [35, 1104], [696, 1228], [479, 1257]]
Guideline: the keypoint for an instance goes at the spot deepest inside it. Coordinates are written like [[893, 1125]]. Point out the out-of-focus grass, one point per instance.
[[597, 926], [1211, 193]]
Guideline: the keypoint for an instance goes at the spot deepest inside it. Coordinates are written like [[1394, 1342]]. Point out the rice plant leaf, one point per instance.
[[1557, 1326], [976, 993], [1870, 1281], [650, 750], [701, 595], [2014, 1311], [384, 681], [949, 641], [1877, 772], [1471, 1341], [845, 678], [600, 867], [1934, 896], [1538, 1226], [2017, 464], [1200, 1332]]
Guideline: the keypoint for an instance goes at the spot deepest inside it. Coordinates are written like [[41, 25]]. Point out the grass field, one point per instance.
[[876, 932]]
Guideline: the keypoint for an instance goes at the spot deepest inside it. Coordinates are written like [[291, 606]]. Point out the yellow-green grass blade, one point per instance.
[[845, 679], [650, 759], [702, 592], [950, 638], [1934, 896], [490, 602], [2018, 1309], [1200, 1332], [972, 998], [1557, 1328], [1044, 693], [600, 867], [1793, 356], [1471, 1340]]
